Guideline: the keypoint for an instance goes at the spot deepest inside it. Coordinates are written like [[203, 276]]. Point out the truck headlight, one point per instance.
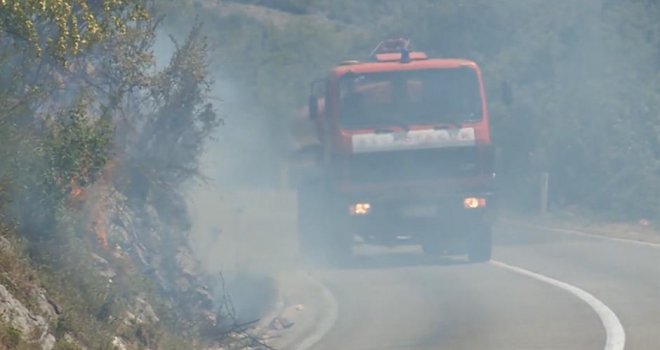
[[359, 209], [474, 202]]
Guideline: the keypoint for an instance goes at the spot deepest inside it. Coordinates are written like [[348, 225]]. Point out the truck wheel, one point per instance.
[[322, 236], [480, 244]]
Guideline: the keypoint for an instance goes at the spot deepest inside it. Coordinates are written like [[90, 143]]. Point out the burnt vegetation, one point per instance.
[[96, 143]]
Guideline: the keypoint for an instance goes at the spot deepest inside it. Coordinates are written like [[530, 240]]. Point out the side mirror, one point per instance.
[[313, 107], [507, 93]]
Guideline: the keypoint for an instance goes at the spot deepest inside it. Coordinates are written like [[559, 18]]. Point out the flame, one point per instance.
[[101, 229], [100, 211], [77, 191], [93, 198]]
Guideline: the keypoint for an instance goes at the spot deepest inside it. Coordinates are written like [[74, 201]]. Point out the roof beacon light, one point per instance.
[[391, 46]]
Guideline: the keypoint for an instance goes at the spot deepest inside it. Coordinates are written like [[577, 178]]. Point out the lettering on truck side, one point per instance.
[[411, 140]]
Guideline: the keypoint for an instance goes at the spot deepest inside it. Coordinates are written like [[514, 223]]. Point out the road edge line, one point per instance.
[[615, 334], [581, 233], [295, 338], [325, 323], [276, 310]]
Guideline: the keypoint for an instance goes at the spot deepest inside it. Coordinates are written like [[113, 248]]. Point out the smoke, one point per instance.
[[235, 230], [565, 65]]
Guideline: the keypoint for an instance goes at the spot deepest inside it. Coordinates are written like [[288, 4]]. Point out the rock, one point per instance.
[[45, 305], [186, 262], [5, 245], [98, 260], [118, 344], [14, 313], [71, 340], [48, 342], [279, 323], [103, 266], [142, 312]]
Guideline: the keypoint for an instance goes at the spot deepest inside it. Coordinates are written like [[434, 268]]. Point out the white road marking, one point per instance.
[[616, 336], [328, 317], [584, 234]]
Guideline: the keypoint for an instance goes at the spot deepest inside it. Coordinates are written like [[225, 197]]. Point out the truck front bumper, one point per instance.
[[419, 216]]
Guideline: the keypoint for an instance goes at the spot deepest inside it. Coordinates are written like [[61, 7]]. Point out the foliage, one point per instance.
[[84, 116], [76, 149], [65, 28], [180, 120]]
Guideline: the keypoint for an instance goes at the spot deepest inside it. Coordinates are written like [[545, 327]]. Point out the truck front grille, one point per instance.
[[414, 165]]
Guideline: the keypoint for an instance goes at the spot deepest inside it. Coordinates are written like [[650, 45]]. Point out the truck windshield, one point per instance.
[[431, 96]]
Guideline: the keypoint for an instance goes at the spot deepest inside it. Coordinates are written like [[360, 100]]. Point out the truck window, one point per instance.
[[423, 97]]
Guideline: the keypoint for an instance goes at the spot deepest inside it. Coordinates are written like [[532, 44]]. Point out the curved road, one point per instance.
[[401, 300]]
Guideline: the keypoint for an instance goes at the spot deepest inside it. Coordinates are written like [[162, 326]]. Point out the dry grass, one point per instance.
[[16, 274]]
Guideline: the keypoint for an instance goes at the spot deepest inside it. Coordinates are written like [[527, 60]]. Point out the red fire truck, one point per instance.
[[404, 154]]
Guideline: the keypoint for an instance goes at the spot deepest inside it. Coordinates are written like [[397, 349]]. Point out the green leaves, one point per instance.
[[65, 28], [76, 148], [180, 119]]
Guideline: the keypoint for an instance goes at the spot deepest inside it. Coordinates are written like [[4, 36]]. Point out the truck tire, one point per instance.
[[322, 235], [480, 244]]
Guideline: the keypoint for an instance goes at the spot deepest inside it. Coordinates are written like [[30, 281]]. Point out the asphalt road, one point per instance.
[[402, 300]]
